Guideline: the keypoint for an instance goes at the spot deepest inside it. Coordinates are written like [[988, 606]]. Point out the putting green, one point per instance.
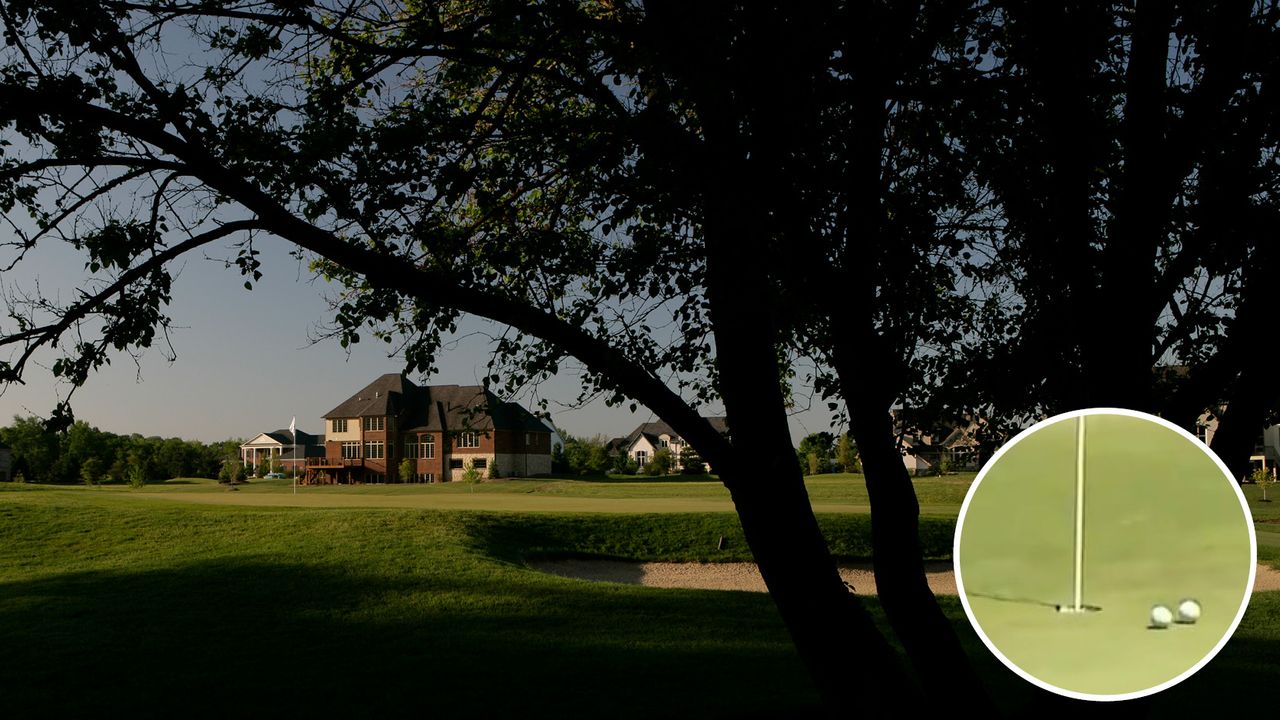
[[1162, 522]]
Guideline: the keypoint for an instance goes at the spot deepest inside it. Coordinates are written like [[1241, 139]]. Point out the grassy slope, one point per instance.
[[166, 608], [830, 493]]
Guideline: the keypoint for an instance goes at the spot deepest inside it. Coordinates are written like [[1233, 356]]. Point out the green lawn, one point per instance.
[[830, 493], [117, 600], [1161, 523]]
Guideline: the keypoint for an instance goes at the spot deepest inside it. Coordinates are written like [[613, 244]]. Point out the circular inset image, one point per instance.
[[1105, 554]]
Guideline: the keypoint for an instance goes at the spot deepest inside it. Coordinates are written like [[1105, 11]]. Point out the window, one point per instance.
[[642, 456], [340, 425], [375, 423], [424, 477], [468, 440], [377, 478], [663, 443], [373, 450], [350, 450], [480, 463], [420, 448], [455, 464], [530, 439]]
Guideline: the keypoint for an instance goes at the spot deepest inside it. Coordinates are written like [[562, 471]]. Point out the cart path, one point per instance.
[[746, 576]]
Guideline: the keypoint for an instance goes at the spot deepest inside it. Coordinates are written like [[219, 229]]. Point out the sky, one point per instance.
[[246, 361]]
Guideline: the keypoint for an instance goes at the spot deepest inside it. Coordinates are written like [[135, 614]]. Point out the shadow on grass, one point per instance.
[[265, 639]]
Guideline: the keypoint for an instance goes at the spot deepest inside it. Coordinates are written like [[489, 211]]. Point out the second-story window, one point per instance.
[[340, 425], [428, 448], [373, 450], [468, 440], [351, 450], [375, 423]]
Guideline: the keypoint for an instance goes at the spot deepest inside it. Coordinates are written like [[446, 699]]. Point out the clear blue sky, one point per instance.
[[245, 365]]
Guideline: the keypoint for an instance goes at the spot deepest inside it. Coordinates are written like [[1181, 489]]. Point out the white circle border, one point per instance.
[[1244, 604]]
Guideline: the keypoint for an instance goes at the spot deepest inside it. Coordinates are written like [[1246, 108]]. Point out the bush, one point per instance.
[[693, 466], [650, 468], [135, 477], [406, 470], [662, 461], [494, 473]]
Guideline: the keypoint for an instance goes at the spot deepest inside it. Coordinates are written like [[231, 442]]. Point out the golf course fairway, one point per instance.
[[1161, 522]]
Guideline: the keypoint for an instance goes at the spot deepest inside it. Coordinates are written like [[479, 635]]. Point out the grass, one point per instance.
[[843, 493], [120, 601]]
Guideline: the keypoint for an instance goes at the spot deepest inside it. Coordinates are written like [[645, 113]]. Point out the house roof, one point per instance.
[[437, 408], [284, 437], [651, 430], [384, 396]]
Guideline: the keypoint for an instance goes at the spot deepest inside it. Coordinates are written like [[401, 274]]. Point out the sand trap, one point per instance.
[[745, 576]]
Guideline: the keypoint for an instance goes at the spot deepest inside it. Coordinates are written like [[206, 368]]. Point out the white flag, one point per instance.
[[293, 424]]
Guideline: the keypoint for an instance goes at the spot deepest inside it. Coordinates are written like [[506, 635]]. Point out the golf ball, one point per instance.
[[1188, 611], [1161, 616]]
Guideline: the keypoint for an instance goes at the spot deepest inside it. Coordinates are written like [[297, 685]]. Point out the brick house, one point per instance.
[[438, 428]]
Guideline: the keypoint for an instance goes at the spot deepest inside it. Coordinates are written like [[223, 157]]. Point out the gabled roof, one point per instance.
[[387, 395], [437, 408], [284, 437], [651, 430]]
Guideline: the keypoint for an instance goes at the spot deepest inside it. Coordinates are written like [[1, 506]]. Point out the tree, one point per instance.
[[847, 454], [232, 471], [817, 449], [470, 475], [405, 470], [662, 462], [728, 192], [91, 471]]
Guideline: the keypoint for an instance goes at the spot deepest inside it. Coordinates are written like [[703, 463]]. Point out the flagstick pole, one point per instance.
[[1079, 559]]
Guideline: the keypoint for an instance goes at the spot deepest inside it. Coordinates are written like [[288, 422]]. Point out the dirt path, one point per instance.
[[745, 576]]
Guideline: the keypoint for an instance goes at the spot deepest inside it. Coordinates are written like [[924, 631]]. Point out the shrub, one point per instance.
[[406, 470], [693, 466], [814, 464], [662, 461], [650, 468], [135, 477], [494, 473]]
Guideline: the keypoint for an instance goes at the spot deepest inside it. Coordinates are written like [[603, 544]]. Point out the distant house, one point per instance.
[[1266, 448], [279, 445], [6, 463], [440, 429], [647, 439], [955, 443]]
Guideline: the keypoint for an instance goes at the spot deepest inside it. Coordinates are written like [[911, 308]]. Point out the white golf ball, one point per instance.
[[1188, 611], [1161, 616]]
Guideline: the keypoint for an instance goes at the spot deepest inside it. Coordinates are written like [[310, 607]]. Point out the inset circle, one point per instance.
[[1078, 528]]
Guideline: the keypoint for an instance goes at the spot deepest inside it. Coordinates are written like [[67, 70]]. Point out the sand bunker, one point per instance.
[[745, 576]]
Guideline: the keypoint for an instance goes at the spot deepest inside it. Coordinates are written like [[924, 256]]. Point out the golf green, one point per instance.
[[1161, 522]]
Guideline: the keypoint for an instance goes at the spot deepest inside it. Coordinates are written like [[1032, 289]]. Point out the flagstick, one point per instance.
[[1079, 576], [1077, 605]]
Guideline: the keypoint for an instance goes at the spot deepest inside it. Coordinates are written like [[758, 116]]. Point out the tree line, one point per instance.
[[83, 453]]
